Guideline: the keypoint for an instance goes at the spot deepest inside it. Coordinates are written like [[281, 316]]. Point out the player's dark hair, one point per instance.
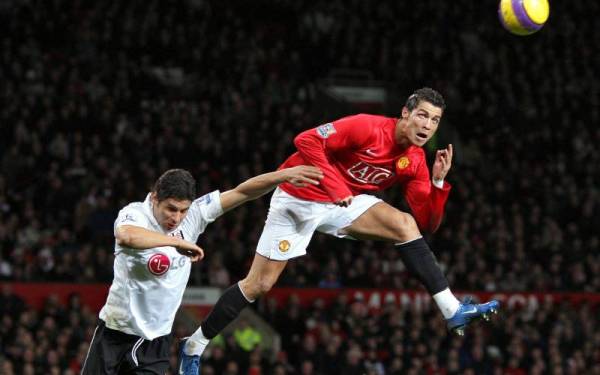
[[425, 94], [177, 184]]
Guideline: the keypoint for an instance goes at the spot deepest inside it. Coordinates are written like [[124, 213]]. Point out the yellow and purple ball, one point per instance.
[[523, 17]]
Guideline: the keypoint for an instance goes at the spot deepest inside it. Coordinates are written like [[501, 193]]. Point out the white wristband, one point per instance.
[[438, 183]]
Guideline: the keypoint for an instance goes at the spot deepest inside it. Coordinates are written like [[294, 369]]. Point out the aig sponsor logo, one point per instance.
[[159, 264], [369, 174]]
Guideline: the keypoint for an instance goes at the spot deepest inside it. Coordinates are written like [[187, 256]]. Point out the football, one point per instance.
[[523, 17]]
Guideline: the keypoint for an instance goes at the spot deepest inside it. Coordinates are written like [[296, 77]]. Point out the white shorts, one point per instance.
[[292, 221]]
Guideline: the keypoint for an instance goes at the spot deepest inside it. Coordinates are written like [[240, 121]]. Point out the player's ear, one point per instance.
[[153, 198], [405, 112]]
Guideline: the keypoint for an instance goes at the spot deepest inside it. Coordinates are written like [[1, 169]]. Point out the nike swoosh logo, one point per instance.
[[369, 152], [472, 311]]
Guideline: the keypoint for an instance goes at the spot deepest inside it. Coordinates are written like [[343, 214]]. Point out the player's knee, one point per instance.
[[256, 287], [405, 227], [264, 286]]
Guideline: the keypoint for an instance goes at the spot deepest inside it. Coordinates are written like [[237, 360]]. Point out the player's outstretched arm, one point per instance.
[[260, 185], [136, 237]]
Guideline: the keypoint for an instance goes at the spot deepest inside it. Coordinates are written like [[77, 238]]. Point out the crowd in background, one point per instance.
[[102, 99], [99, 98], [344, 338]]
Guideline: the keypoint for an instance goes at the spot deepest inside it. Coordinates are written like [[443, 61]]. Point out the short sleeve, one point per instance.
[[131, 216], [203, 211]]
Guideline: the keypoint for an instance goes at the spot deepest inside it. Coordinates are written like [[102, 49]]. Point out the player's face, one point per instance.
[[422, 122], [170, 212]]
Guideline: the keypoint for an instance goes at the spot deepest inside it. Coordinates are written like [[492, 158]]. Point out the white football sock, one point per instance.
[[196, 343], [447, 303]]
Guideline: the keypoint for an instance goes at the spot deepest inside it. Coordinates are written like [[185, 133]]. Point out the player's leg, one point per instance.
[[149, 357], [384, 222], [106, 351], [387, 223], [93, 363], [263, 274], [287, 232], [260, 279]]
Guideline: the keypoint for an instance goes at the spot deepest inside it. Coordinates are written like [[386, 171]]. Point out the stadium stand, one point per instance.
[[344, 337], [98, 98]]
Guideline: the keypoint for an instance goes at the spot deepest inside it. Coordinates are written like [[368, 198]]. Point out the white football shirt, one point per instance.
[[148, 284]]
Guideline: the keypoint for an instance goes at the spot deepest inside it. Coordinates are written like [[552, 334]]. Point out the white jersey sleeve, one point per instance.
[[202, 212], [132, 214]]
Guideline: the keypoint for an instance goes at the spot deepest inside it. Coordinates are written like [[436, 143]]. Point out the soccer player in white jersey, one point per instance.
[[154, 248]]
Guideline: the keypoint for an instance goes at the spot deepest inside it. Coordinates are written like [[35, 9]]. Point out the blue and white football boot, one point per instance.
[[187, 364], [468, 312]]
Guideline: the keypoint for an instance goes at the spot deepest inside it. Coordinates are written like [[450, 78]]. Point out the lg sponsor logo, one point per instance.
[[159, 264]]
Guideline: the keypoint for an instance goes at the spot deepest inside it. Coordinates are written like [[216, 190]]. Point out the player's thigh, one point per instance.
[[105, 352], [384, 222], [157, 368], [263, 271], [150, 357], [289, 227], [94, 362]]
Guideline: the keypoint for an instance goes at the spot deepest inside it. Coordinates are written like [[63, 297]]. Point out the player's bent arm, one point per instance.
[[313, 150], [140, 238], [260, 185], [426, 200]]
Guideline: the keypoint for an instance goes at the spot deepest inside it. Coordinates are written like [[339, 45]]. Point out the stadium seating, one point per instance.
[[98, 98]]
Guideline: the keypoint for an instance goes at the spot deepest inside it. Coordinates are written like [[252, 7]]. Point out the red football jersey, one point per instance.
[[359, 154]]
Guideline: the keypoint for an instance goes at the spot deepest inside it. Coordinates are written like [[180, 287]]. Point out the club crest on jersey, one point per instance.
[[128, 217], [284, 246], [326, 130], [403, 162], [205, 199], [178, 234], [159, 264], [368, 174]]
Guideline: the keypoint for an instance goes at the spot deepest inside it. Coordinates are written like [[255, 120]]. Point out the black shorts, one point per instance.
[[114, 352]]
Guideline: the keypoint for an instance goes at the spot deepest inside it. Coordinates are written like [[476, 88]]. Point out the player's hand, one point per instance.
[[442, 163], [191, 250], [344, 202], [302, 175]]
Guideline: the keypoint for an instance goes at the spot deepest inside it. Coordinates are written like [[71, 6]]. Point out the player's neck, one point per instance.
[[154, 209]]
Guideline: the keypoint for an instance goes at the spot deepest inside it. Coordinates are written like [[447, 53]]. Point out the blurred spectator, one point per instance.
[[392, 340], [99, 98], [123, 91], [247, 337]]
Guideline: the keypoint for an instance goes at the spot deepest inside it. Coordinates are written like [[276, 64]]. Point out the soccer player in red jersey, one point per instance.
[[357, 154]]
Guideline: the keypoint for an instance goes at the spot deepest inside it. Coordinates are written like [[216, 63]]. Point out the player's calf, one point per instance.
[[421, 262]]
